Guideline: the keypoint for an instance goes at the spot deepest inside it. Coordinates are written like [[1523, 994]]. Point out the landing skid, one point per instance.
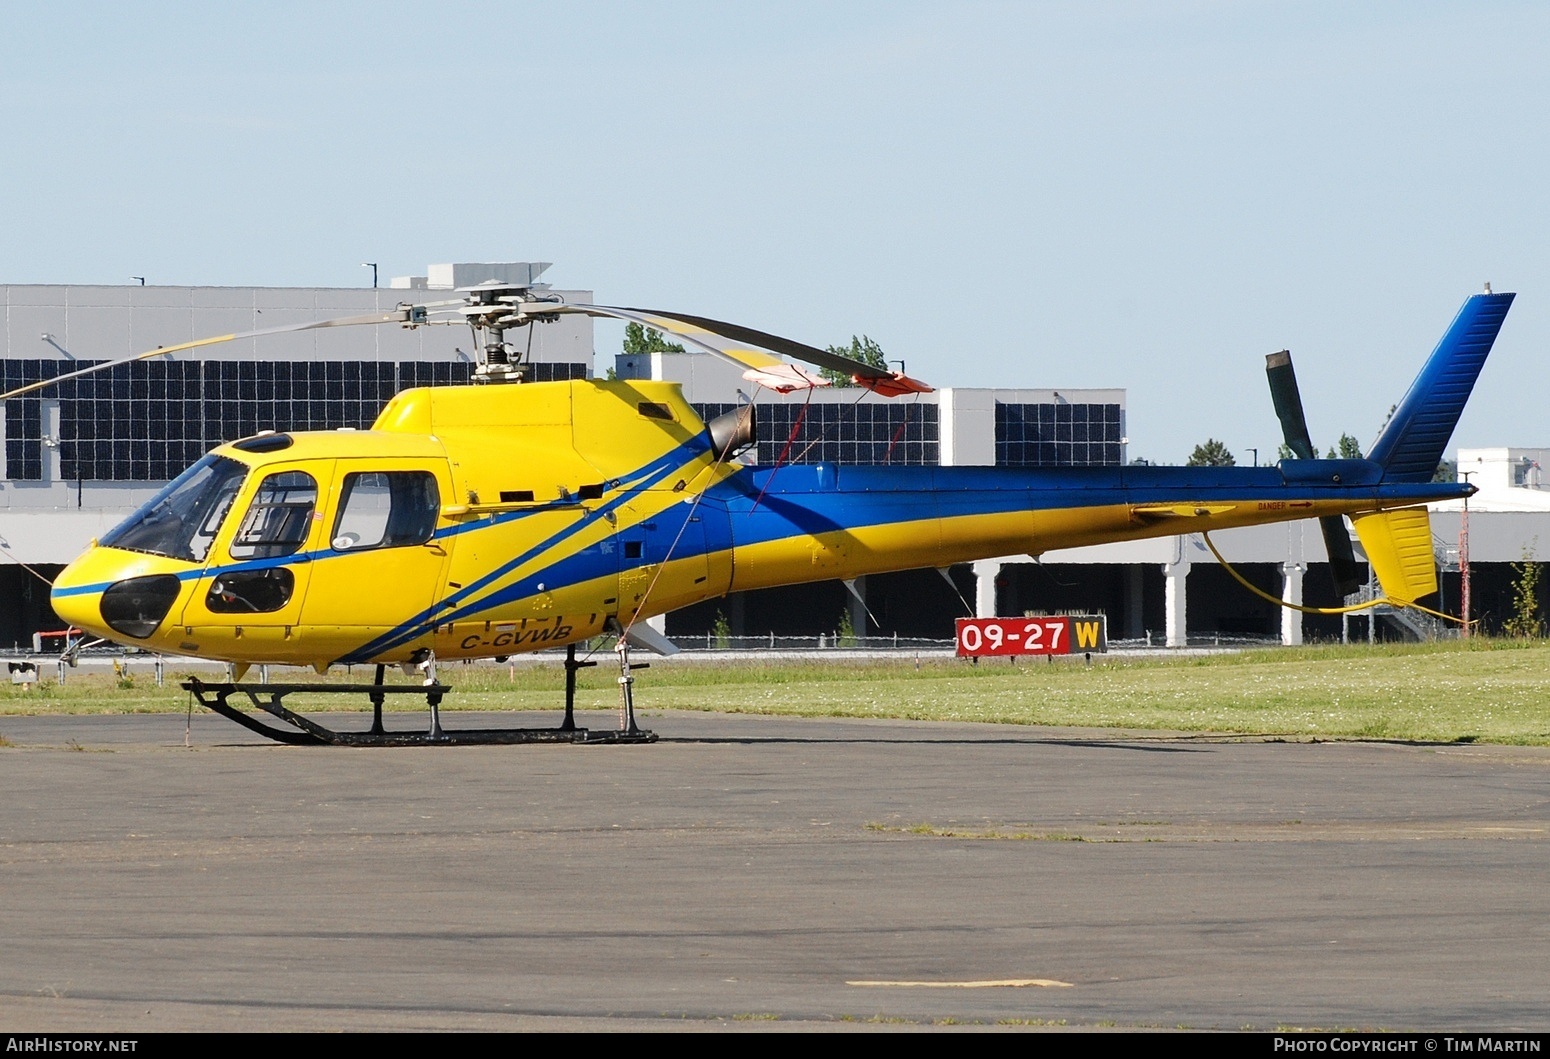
[[306, 732]]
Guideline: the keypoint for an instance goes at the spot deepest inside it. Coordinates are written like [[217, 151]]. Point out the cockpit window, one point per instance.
[[182, 520], [384, 509], [279, 517]]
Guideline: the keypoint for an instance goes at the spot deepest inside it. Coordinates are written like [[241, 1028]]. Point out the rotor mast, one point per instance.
[[491, 309]]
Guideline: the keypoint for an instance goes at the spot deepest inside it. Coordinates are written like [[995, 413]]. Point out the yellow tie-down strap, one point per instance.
[[1399, 547]]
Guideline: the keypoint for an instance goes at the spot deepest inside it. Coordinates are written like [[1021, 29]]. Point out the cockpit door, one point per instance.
[[248, 601], [380, 564]]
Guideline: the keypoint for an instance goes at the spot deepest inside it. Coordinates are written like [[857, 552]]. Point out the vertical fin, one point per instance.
[[1412, 445]]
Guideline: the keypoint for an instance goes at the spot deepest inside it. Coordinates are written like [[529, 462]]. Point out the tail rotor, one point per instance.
[[1294, 428]]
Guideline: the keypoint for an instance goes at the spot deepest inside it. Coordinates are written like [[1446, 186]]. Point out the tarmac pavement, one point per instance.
[[766, 873]]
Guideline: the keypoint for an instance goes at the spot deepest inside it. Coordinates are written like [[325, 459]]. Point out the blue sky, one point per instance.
[[1145, 195]]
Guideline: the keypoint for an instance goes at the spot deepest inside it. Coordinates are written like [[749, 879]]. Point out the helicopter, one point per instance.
[[508, 516]]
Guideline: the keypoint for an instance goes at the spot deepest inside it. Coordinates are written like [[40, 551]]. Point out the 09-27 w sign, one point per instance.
[[1059, 634]]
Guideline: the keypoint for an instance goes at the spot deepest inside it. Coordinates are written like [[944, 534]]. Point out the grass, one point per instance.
[[1487, 690]]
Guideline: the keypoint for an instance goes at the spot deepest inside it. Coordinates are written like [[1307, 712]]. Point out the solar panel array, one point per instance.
[[1058, 434], [147, 421]]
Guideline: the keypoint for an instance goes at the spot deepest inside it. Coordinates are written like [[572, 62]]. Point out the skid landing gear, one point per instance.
[[306, 732]]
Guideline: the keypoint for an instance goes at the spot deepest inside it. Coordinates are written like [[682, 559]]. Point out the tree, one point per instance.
[[862, 349], [640, 339], [1525, 598], [1212, 454], [1348, 448], [1447, 471], [845, 635]]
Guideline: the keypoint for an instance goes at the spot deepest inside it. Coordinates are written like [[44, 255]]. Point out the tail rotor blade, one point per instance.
[[1294, 427], [1288, 403], [1342, 557]]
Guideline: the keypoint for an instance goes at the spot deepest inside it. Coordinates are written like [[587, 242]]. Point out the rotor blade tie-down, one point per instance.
[[796, 428], [897, 434], [824, 434]]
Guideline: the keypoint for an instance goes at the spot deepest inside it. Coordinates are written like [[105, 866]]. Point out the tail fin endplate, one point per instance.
[[1399, 547], [1412, 445]]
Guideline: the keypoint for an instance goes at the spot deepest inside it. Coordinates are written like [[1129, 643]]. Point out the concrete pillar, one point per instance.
[[1291, 592], [985, 573], [52, 424], [1176, 595], [966, 427]]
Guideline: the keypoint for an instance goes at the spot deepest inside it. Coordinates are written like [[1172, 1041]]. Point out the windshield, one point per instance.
[[181, 521]]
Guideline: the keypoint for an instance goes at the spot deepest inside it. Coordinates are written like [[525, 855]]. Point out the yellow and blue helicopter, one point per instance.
[[506, 516]]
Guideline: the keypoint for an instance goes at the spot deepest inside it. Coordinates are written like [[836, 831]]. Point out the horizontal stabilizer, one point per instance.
[[1399, 547], [1411, 446]]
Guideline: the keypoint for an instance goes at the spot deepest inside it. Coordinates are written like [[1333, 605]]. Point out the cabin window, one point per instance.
[[386, 509], [251, 591], [278, 519]]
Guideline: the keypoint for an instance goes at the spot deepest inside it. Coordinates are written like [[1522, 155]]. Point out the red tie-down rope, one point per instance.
[[698, 496], [796, 428]]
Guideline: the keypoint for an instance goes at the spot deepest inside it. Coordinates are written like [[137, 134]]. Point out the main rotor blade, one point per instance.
[[695, 329], [398, 316], [1288, 404]]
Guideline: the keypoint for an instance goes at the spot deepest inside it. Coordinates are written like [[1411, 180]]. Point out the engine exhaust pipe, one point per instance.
[[733, 431]]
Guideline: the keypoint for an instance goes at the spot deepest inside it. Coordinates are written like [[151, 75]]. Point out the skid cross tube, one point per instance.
[[269, 698]]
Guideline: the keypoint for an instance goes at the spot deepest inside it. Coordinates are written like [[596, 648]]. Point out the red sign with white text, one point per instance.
[[1060, 634]]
